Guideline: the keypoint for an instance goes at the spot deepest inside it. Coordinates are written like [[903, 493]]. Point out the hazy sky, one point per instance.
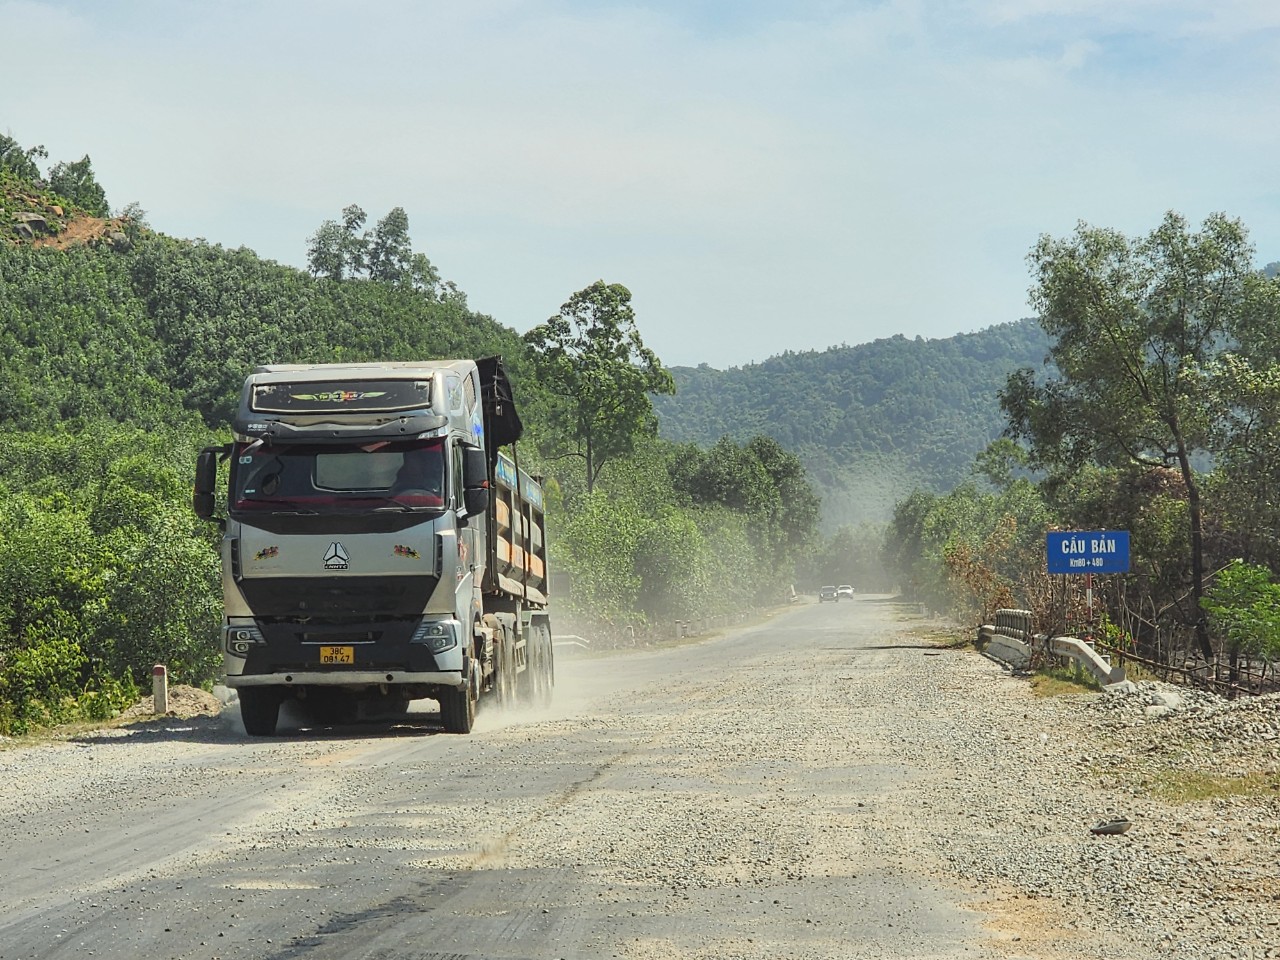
[[763, 176]]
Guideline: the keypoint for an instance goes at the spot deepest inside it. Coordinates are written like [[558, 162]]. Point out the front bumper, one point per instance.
[[346, 678]]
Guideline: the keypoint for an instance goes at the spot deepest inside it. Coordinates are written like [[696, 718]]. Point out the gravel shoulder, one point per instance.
[[1023, 780]]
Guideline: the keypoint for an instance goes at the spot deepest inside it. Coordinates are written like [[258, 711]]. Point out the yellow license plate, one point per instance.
[[337, 654]]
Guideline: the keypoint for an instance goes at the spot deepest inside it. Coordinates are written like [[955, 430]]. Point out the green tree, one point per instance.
[[1135, 326], [598, 549], [906, 551], [76, 182], [761, 481], [325, 256], [390, 252], [355, 240], [340, 250], [850, 555], [425, 277], [18, 161], [597, 374], [798, 505], [1245, 488], [1245, 606]]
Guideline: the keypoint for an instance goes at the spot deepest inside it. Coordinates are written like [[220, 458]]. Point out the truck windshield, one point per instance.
[[306, 478]]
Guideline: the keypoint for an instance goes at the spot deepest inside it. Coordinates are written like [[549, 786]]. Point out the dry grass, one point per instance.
[[1062, 682], [951, 638], [1191, 786]]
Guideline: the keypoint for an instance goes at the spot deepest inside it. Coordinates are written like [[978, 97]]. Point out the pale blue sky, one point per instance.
[[763, 176]]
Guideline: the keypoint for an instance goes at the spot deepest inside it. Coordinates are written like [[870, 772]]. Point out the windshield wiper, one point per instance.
[[398, 507]]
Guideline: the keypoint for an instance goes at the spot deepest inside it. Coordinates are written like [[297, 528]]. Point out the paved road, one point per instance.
[[734, 797]]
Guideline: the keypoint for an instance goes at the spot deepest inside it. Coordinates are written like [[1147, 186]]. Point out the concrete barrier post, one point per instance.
[[160, 688]]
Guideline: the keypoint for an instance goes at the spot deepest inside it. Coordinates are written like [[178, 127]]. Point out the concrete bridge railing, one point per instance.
[[1010, 641]]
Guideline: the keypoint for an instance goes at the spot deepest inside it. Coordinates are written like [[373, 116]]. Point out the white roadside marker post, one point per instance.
[[160, 688]]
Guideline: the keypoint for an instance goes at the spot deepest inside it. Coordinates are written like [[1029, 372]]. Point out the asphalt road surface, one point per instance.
[[749, 795]]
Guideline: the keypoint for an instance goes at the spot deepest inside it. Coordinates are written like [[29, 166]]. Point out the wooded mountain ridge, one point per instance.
[[870, 422]]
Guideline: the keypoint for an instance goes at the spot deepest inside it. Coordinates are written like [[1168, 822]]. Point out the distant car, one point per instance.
[[844, 592], [828, 593]]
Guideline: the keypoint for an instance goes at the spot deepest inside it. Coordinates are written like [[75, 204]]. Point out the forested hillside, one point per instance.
[[871, 422], [168, 327]]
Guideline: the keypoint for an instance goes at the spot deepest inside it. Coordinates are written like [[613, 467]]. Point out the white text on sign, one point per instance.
[[1091, 547]]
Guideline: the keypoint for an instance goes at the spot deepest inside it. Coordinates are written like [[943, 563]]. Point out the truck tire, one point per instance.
[[548, 666], [539, 676], [458, 706], [504, 685], [527, 682], [259, 710]]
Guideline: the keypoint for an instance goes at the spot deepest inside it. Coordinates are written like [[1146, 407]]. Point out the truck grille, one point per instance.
[[337, 596]]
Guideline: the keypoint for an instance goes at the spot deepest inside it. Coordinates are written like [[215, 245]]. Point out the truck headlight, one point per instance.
[[241, 633], [438, 635]]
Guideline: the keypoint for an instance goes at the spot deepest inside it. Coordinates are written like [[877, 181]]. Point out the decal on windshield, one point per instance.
[[339, 396]]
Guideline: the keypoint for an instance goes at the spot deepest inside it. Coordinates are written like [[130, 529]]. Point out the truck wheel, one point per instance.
[[260, 710], [548, 666], [505, 683], [527, 682], [538, 677], [458, 707]]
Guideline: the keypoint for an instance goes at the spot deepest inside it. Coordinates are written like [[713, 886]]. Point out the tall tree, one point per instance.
[[597, 373], [76, 182], [390, 252], [1246, 481], [798, 505], [325, 256], [1136, 324], [355, 241]]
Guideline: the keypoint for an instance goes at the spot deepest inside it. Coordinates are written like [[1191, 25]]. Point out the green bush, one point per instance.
[[37, 680]]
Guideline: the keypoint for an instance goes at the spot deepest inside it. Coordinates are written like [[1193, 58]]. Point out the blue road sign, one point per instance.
[[1088, 551]]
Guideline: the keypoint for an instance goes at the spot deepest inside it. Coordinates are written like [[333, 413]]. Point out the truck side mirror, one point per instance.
[[475, 480], [475, 468], [202, 500]]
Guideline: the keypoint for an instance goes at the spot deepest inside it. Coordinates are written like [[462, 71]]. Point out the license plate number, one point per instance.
[[337, 654]]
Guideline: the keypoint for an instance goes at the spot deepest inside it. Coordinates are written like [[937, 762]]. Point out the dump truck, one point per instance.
[[380, 544]]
